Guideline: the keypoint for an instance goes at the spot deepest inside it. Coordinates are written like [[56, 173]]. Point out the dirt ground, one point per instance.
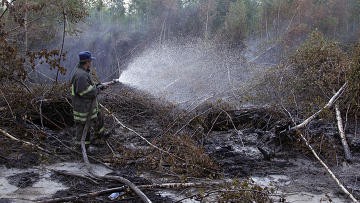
[[246, 153]]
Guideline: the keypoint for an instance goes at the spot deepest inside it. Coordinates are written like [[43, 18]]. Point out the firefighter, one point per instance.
[[84, 99]]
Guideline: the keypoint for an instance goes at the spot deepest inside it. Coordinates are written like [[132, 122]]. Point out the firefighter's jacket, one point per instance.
[[84, 92]]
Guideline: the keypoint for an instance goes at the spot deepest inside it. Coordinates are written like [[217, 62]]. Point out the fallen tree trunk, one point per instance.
[[327, 106], [344, 143]]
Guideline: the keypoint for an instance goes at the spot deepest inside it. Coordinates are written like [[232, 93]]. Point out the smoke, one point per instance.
[[109, 43], [193, 71]]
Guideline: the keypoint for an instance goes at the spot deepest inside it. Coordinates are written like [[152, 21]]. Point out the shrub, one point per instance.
[[353, 93], [307, 79]]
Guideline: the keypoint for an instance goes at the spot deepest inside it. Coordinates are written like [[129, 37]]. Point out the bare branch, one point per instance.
[[12, 113], [327, 106], [63, 39]]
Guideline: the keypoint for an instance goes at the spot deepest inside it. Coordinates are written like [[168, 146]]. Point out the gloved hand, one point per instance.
[[101, 86]]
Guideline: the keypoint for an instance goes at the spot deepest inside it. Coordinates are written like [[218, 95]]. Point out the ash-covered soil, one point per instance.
[[206, 143]]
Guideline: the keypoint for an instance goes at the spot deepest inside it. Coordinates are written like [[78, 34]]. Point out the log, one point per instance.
[[344, 143]]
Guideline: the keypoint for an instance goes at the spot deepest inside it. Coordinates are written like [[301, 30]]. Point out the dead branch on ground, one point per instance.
[[183, 185], [125, 181], [333, 176]]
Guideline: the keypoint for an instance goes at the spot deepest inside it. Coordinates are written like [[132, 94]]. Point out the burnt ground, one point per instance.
[[208, 146]]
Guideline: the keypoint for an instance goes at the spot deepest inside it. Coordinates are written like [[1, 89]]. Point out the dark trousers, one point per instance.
[[97, 124]]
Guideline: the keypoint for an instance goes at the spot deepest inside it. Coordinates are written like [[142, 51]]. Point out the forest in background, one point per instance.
[[112, 29]]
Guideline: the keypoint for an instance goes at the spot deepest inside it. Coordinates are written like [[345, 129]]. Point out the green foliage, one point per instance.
[[235, 21], [229, 20], [242, 19], [117, 9]]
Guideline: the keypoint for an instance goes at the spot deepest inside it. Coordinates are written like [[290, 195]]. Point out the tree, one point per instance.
[[235, 21], [29, 25]]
